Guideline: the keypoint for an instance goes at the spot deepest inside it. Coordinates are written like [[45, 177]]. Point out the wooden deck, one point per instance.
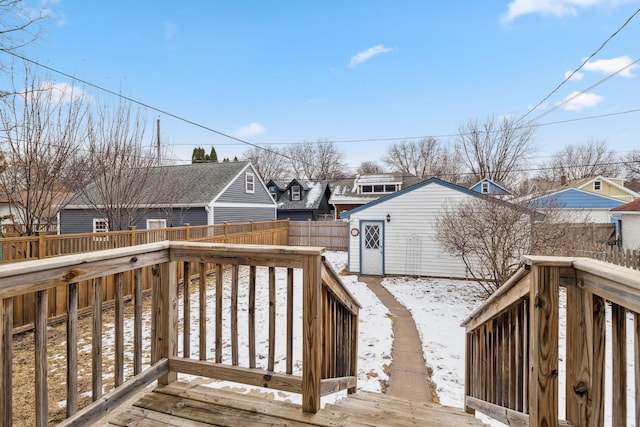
[[186, 405]]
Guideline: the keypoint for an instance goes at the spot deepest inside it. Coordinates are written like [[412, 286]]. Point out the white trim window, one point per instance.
[[295, 192], [154, 224], [100, 225], [485, 188], [249, 183], [597, 185]]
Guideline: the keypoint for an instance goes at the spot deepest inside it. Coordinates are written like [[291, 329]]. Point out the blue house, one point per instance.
[[579, 205], [489, 187]]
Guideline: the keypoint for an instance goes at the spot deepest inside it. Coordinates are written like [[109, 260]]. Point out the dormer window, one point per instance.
[[272, 190], [295, 192], [597, 185], [485, 188]]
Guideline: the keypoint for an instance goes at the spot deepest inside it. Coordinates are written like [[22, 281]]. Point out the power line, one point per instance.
[[615, 33]]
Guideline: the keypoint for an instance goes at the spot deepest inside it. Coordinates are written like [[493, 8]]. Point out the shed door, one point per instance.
[[371, 244]]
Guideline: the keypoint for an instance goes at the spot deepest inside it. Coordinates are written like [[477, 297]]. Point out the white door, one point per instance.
[[371, 244]]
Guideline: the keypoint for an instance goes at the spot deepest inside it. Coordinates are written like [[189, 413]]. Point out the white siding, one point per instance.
[[583, 215], [631, 231], [413, 217]]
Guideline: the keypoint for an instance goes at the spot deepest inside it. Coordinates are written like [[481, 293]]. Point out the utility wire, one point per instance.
[[615, 33]]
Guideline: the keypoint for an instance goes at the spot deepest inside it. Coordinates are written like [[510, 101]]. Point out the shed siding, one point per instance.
[[243, 214], [410, 246], [77, 220], [236, 193]]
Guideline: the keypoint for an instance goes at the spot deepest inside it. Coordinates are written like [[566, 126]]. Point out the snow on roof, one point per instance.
[[314, 194]]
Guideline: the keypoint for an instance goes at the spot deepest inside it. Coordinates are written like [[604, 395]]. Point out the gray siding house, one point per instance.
[[195, 194]]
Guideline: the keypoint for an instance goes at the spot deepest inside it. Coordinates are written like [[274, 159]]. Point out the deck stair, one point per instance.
[[186, 405]]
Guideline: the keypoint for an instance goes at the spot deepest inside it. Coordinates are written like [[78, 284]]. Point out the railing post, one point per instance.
[[186, 231], [311, 333], [168, 321], [42, 245], [132, 236], [543, 336]]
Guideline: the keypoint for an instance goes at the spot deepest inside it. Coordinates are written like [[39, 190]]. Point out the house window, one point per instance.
[[295, 192], [100, 225], [485, 188], [249, 181], [597, 185], [272, 190], [367, 189], [156, 223], [389, 188], [378, 188]]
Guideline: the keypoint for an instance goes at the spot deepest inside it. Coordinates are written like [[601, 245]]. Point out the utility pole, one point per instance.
[[159, 158]]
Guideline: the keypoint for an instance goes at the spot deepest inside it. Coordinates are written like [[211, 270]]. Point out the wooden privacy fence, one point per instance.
[[20, 249], [187, 335], [513, 345], [620, 256], [328, 234]]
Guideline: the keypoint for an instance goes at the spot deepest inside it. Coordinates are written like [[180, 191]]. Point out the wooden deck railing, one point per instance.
[[512, 345], [328, 328]]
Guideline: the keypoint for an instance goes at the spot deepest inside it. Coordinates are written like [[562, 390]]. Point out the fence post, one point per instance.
[[311, 332], [186, 231], [42, 245], [132, 236], [309, 232], [167, 344]]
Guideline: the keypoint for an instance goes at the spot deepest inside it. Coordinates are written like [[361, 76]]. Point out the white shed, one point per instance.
[[396, 233]]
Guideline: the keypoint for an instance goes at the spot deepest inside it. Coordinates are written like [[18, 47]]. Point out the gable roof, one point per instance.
[[409, 189], [502, 189], [310, 199], [346, 190], [195, 184]]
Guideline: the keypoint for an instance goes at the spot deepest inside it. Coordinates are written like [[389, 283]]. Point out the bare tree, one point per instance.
[[19, 24], [319, 160], [369, 167], [269, 161], [632, 164], [119, 165], [582, 161], [495, 149], [425, 158], [41, 129]]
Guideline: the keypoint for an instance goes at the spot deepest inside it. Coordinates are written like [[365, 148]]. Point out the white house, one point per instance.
[[396, 234], [630, 224]]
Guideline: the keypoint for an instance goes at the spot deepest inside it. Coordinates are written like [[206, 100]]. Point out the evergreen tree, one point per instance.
[[199, 156], [213, 157]]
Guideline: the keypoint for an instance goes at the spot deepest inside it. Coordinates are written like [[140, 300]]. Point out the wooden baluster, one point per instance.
[[272, 319], [219, 281], [636, 363], [289, 320], [202, 295], [234, 315], [6, 356], [137, 321], [40, 324], [72, 350], [96, 341], [619, 359], [186, 307], [119, 330], [252, 316], [156, 321]]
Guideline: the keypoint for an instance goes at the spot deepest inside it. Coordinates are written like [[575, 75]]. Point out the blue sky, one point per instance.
[[281, 72]]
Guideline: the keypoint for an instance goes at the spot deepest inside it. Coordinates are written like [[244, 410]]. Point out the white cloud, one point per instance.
[[368, 54], [610, 66], [252, 129], [63, 93], [577, 101], [557, 8], [576, 76]]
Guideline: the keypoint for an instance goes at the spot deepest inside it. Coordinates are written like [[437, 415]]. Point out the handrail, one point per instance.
[[513, 345], [329, 327]]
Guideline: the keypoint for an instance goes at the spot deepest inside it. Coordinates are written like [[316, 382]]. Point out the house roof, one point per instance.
[[409, 189], [629, 207], [494, 183], [574, 198], [549, 187], [196, 184], [311, 199], [345, 191]]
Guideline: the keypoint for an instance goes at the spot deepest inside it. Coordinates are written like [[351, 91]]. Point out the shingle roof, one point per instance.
[[629, 207], [312, 197], [191, 184]]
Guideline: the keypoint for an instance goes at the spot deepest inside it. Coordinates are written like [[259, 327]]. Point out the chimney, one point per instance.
[[563, 180]]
